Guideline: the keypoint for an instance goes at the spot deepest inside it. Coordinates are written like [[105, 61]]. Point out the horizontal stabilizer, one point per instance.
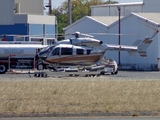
[[143, 53]]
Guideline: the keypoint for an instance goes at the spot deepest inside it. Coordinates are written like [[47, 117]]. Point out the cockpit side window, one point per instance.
[[66, 51], [80, 51], [55, 51]]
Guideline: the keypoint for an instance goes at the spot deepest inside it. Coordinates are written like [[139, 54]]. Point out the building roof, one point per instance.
[[107, 20], [120, 4], [153, 17]]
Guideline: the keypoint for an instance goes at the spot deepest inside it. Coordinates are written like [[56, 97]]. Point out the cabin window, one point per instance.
[[88, 52], [66, 51], [80, 51], [55, 51]]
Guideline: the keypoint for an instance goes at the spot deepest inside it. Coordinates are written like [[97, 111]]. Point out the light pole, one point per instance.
[[119, 32]]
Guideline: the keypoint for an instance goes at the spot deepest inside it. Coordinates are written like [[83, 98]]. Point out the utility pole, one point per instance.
[[69, 12], [50, 7]]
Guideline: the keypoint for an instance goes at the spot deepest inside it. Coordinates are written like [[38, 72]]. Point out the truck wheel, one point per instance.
[[3, 69], [112, 73], [102, 73], [116, 72]]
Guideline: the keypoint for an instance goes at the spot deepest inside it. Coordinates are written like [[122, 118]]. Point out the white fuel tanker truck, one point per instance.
[[16, 55]]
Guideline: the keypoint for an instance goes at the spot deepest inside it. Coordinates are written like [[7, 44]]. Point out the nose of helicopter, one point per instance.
[[38, 56]]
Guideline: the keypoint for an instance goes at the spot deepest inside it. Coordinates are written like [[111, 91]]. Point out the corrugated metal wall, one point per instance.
[[35, 19], [6, 12], [30, 6], [111, 10], [141, 29], [126, 8], [151, 5]]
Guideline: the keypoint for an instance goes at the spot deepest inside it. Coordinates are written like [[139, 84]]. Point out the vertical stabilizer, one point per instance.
[[142, 47], [136, 43]]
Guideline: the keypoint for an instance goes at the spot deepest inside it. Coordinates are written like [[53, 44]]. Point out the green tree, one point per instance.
[[80, 8]]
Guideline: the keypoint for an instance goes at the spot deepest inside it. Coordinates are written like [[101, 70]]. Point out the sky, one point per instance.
[[57, 3]]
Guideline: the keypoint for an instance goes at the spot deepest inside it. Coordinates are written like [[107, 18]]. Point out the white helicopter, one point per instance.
[[83, 51]]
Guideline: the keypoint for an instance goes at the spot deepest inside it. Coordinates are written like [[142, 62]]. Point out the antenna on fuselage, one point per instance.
[[77, 34]]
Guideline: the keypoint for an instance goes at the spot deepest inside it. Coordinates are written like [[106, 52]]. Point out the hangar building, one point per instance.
[[138, 21], [26, 17], [135, 26], [126, 8]]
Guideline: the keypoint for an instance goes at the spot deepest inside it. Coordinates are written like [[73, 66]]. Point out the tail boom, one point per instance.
[[139, 46]]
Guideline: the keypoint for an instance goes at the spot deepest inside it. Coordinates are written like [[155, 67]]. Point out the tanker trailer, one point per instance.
[[18, 56]]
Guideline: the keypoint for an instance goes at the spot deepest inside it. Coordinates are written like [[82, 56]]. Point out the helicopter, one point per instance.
[[83, 51]]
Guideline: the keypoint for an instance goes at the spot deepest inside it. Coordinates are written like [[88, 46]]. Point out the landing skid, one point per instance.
[[40, 74], [93, 71], [66, 74]]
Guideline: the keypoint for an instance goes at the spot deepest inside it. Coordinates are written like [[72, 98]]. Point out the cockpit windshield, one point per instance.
[[46, 50]]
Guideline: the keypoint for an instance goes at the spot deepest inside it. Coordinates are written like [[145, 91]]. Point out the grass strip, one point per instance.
[[79, 96]]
